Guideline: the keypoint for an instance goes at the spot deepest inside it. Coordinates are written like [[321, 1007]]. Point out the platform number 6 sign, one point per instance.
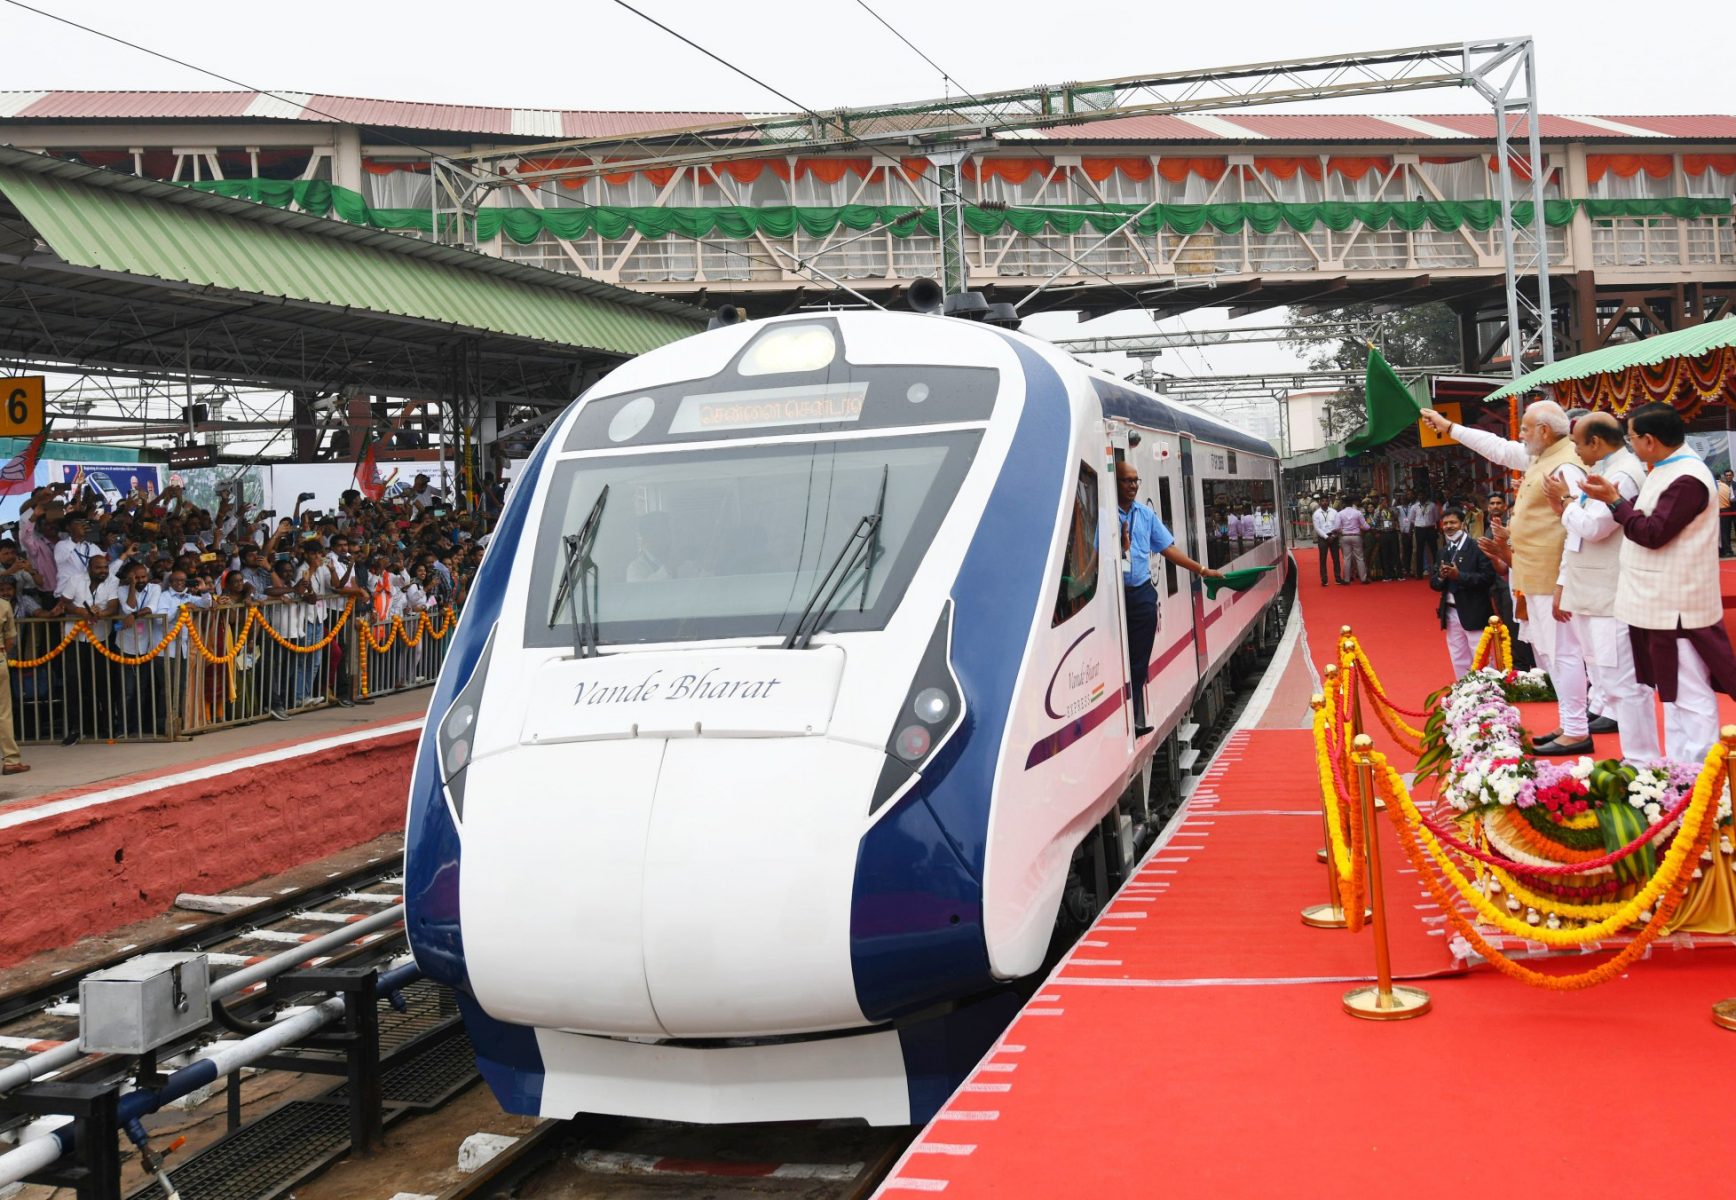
[[22, 414]]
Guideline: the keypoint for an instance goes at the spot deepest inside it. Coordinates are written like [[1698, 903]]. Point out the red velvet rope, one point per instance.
[[1508, 865], [1380, 693]]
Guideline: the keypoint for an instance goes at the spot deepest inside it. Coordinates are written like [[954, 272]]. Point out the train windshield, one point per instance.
[[731, 541]]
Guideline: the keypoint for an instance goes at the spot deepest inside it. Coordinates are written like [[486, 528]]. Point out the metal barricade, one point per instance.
[[160, 676], [401, 652]]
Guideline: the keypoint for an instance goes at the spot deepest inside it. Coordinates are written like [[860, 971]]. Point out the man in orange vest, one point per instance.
[[1538, 541]]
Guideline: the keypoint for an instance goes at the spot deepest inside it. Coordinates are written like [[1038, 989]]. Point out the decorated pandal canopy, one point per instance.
[[1524, 856], [1690, 368]]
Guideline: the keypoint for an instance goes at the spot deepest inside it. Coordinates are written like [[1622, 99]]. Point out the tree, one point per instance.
[[1425, 335]]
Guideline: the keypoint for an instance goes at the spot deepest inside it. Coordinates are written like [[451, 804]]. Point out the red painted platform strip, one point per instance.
[[84, 863], [1194, 1044]]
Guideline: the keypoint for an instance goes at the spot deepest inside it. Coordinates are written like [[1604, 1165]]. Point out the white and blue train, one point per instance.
[[789, 712]]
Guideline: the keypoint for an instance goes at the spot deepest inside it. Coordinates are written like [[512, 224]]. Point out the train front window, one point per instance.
[[732, 541]]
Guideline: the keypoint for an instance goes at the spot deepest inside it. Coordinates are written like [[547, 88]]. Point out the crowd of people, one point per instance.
[[1611, 556], [129, 568], [1377, 537]]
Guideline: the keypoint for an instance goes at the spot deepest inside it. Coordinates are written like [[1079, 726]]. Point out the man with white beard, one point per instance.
[[1590, 568], [1537, 536]]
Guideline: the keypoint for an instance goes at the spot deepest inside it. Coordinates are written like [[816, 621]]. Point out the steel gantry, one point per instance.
[[1502, 70]]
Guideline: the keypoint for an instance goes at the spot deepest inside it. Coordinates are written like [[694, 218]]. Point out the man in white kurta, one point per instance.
[[1590, 568], [1667, 592], [1537, 539]]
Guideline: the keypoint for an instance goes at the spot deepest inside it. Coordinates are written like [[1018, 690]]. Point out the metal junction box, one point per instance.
[[142, 1004]]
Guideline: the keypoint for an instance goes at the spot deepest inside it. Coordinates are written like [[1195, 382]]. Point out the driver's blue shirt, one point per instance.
[[1146, 536]]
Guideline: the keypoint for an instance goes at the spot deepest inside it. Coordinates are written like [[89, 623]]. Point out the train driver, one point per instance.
[[1143, 535]]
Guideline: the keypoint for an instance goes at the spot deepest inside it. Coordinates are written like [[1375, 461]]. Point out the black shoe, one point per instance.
[[343, 703], [1603, 724], [1558, 749], [72, 739]]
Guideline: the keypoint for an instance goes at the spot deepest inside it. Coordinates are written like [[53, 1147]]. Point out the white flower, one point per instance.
[[1531, 917], [1513, 904]]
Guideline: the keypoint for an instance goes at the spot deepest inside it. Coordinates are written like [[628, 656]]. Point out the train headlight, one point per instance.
[[456, 736], [931, 706], [790, 349], [936, 704]]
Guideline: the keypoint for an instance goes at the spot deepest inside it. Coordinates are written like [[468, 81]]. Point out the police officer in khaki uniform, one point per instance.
[[11, 761]]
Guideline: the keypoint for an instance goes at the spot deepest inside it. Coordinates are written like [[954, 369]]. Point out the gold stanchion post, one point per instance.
[[1331, 914], [1385, 1001], [1724, 1012], [1355, 685]]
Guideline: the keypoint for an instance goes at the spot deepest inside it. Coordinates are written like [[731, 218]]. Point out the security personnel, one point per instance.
[[1143, 535]]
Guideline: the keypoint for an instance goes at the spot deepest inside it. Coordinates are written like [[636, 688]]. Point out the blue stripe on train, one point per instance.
[[432, 851], [916, 921]]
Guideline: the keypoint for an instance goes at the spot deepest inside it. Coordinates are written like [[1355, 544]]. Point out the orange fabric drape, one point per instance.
[[1699, 164], [1013, 170], [831, 170], [1353, 166], [746, 170], [1286, 168], [1626, 166], [915, 168], [1099, 169], [1178, 169]]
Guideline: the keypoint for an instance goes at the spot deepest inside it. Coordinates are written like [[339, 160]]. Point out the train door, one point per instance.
[[1194, 546]]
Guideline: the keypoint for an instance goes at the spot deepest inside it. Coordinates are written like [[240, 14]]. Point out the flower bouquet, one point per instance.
[[1525, 687], [1545, 813]]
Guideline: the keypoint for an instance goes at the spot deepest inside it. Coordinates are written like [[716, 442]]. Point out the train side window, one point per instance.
[[1166, 510], [1079, 560]]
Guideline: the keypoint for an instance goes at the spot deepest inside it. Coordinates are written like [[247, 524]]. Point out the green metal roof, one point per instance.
[[143, 228], [1684, 343]]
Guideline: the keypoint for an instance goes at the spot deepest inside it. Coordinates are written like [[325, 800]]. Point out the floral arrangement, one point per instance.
[[1525, 687], [1558, 811]]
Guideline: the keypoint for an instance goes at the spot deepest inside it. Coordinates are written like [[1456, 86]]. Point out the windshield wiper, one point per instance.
[[579, 570], [863, 541]]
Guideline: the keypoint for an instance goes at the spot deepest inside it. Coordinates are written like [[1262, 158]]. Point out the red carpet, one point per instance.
[[1193, 1043]]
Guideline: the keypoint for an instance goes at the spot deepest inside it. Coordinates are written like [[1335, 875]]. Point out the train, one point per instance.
[[788, 718]]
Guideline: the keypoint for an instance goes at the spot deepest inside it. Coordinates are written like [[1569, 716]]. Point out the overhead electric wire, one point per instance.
[[870, 147], [1053, 165], [386, 134]]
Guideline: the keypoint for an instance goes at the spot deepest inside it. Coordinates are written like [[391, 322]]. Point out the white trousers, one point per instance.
[[1461, 644], [1691, 722], [1355, 564], [1609, 659], [1556, 644]]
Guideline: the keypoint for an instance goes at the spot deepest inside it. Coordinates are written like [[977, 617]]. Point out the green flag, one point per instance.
[[1391, 407]]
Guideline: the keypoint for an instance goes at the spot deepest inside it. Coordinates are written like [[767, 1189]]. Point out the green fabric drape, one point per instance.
[[734, 223], [1390, 405]]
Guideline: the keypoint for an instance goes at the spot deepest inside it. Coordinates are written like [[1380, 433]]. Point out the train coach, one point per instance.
[[789, 714]]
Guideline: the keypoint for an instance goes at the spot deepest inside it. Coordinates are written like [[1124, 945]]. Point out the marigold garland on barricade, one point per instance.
[[1581, 851]]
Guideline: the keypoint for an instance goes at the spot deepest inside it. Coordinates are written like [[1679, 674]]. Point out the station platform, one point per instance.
[[1193, 1043], [98, 835]]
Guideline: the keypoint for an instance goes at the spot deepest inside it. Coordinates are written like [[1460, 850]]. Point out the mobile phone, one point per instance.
[[207, 557], [304, 498]]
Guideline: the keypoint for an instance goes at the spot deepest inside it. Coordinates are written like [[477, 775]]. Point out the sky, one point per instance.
[[1594, 56]]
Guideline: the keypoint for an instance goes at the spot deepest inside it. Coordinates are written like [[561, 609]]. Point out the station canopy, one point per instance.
[[106, 273], [1689, 368]]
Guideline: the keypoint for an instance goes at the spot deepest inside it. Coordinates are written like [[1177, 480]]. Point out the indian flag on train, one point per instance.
[[18, 475]]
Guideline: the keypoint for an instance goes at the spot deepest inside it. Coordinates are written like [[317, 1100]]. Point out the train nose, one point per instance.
[[682, 887]]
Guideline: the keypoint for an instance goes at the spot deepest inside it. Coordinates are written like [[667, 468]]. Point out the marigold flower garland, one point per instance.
[[1347, 854], [1468, 928], [1697, 825]]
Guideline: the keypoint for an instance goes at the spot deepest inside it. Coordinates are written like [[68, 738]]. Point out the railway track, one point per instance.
[[296, 1126]]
